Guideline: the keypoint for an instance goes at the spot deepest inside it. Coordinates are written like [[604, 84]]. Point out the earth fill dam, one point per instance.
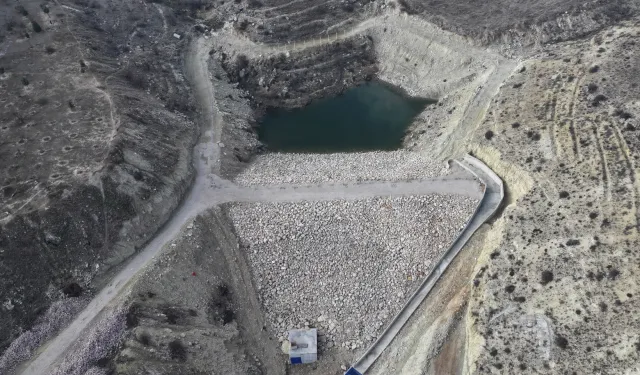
[[372, 116]]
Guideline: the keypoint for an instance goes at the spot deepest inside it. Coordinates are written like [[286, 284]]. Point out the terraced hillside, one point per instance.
[[273, 21]]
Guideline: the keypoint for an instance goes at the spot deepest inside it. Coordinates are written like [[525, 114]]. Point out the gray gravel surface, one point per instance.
[[278, 168], [345, 267]]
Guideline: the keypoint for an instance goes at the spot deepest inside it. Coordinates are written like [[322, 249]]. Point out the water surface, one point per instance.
[[372, 116]]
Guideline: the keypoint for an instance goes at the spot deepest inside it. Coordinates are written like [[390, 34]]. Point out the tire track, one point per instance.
[[603, 162], [626, 153], [572, 116]]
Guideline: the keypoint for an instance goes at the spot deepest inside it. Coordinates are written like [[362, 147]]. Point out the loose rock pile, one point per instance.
[[345, 267], [274, 168]]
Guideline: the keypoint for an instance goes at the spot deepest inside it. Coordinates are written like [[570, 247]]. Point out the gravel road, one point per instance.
[[276, 168]]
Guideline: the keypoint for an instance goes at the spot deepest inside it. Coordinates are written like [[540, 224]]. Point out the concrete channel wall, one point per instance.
[[491, 200]]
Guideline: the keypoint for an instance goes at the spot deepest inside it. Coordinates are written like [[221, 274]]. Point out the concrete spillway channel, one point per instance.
[[491, 200]]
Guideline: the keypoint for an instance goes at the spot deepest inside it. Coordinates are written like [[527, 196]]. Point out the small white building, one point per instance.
[[303, 346]]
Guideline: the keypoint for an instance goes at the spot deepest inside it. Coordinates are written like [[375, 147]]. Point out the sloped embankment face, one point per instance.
[[370, 253], [96, 153]]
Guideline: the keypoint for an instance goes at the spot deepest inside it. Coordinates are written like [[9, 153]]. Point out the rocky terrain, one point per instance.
[[370, 254], [98, 122], [294, 79], [277, 169]]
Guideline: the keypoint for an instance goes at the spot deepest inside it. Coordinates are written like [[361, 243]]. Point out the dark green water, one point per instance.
[[369, 117]]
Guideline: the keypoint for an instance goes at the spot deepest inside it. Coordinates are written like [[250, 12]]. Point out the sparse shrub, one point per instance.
[[50, 50], [564, 194], [533, 135], [223, 290], [42, 101], [227, 316], [20, 9], [573, 242], [215, 23], [603, 306], [36, 27], [172, 315], [144, 339], [255, 4], [219, 307], [515, 125], [546, 277], [177, 351], [592, 87], [622, 114], [72, 290], [510, 288], [488, 135], [405, 7], [242, 25], [132, 316], [594, 69], [561, 342], [25, 81], [598, 99]]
